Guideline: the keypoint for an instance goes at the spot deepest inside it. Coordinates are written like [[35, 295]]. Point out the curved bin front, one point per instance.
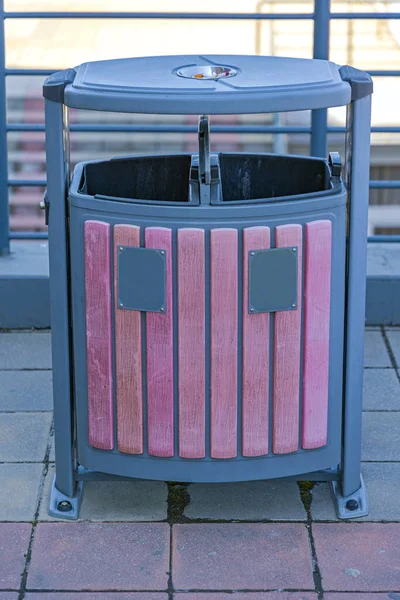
[[208, 340]]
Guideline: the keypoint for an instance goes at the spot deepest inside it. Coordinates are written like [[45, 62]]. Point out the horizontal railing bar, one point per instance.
[[192, 15], [378, 184], [384, 238], [383, 73], [155, 15], [28, 235], [27, 183], [365, 15], [165, 128], [43, 72]]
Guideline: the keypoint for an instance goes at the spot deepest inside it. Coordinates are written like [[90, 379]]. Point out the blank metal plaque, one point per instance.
[[141, 279], [272, 280]]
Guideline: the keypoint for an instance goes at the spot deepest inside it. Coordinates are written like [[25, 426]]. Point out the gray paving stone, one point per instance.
[[115, 500], [24, 436], [254, 500], [381, 390], [381, 436], [375, 353], [25, 350], [394, 341], [18, 491], [382, 481], [26, 390]]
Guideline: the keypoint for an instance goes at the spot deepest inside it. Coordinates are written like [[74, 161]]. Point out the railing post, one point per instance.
[[4, 218], [319, 118]]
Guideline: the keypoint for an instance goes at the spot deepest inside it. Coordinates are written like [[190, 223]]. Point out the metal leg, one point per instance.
[[57, 181], [65, 507], [351, 489]]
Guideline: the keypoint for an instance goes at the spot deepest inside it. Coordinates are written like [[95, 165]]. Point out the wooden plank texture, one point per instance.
[[255, 374], [316, 333], [98, 334], [191, 342], [128, 357], [159, 352], [287, 334], [224, 340]]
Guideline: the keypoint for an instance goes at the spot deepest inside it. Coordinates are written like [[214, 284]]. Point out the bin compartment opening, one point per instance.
[[253, 176], [146, 178]]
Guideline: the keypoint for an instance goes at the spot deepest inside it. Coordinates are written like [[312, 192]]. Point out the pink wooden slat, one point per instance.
[[255, 376], [224, 317], [191, 342], [159, 350], [128, 357], [317, 292], [287, 333], [98, 334]]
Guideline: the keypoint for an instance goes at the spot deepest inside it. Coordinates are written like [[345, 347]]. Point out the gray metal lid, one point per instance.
[[215, 84]]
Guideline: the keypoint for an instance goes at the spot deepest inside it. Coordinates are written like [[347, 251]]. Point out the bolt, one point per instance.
[[294, 249], [252, 253], [251, 309], [293, 306], [162, 309], [352, 504], [162, 252], [64, 506], [42, 205], [120, 248]]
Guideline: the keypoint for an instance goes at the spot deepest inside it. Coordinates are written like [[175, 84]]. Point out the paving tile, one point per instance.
[[116, 500], [26, 350], [381, 436], [18, 491], [362, 596], [24, 436], [394, 341], [233, 556], [358, 556], [14, 545], [26, 390], [381, 390], [8, 595], [96, 596], [375, 353], [254, 500], [247, 596], [382, 481], [100, 556]]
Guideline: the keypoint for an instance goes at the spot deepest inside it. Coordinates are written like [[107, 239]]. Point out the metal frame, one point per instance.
[[321, 16], [346, 483]]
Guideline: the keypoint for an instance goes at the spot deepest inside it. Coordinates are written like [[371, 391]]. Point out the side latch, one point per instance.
[[45, 205]]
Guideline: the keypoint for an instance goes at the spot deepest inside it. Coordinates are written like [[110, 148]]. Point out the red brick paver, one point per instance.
[[241, 557], [248, 596], [100, 556], [358, 556], [14, 542]]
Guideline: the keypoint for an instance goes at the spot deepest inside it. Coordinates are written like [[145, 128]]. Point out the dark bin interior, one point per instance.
[[241, 176], [247, 177], [145, 178]]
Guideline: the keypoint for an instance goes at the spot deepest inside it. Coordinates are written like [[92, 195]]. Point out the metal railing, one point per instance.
[[322, 16]]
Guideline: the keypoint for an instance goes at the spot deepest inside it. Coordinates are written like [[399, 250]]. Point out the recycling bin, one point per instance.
[[208, 308]]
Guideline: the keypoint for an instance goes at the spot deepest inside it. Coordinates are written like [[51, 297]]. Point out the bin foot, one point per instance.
[[352, 506], [65, 507]]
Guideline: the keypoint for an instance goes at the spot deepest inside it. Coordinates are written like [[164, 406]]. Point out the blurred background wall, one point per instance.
[[60, 43]]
